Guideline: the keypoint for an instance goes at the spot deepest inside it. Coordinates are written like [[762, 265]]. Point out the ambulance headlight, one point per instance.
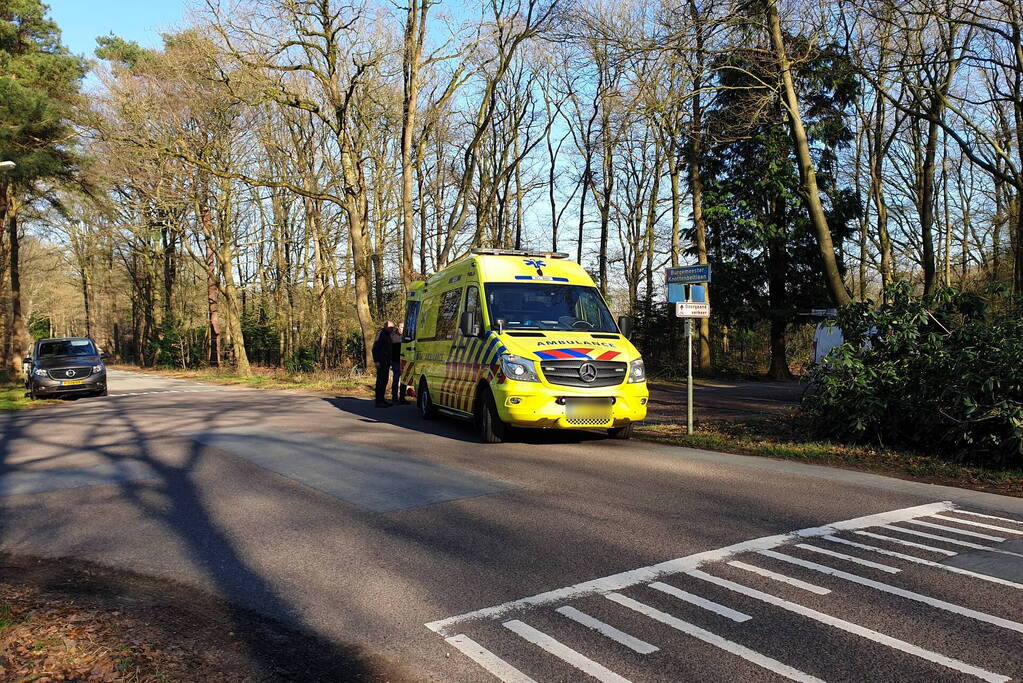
[[518, 368], [637, 372]]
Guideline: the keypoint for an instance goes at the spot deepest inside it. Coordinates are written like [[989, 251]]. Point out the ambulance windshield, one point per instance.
[[541, 306]]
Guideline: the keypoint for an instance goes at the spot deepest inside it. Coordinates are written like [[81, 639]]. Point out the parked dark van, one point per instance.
[[69, 365]]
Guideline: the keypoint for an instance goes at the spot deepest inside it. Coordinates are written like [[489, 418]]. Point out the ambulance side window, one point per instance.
[[411, 319], [447, 316], [472, 298], [428, 321]]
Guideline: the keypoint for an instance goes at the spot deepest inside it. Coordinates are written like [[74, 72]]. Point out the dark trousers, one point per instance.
[[383, 370], [396, 381]]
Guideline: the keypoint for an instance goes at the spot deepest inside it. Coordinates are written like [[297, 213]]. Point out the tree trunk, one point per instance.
[[807, 173], [777, 266], [927, 204], [18, 331], [233, 310], [212, 284], [415, 27]]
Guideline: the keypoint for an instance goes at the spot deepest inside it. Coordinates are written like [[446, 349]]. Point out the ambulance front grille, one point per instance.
[[566, 372]]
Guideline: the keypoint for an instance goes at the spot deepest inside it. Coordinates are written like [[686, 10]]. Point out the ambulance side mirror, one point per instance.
[[625, 324], [469, 325]]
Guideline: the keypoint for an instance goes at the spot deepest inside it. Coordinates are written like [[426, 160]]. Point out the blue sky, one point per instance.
[[81, 21]]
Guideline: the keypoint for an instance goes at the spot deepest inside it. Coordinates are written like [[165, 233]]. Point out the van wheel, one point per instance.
[[427, 410], [488, 422], [621, 432]]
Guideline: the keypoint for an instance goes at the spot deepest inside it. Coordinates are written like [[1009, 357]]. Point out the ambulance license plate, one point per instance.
[[582, 409]]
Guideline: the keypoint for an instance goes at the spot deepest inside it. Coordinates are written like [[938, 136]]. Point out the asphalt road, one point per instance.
[[558, 558]]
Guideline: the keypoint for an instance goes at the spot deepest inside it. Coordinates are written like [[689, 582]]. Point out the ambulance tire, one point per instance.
[[488, 422], [427, 410], [621, 432]]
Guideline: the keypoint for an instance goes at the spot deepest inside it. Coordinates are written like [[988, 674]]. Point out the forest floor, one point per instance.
[[69, 620]]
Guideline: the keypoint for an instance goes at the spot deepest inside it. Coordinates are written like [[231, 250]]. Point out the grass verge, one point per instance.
[[786, 438], [12, 397], [335, 383]]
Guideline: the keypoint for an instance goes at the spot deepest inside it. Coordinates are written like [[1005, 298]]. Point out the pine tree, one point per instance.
[[39, 86]]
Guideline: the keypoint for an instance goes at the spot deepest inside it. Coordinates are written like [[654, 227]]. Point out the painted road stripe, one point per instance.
[[997, 519], [712, 639], [936, 537], [564, 652], [631, 642], [950, 529], [929, 563], [909, 544], [979, 525], [487, 659], [634, 577], [850, 627], [849, 558], [767, 573], [901, 592], [710, 605]]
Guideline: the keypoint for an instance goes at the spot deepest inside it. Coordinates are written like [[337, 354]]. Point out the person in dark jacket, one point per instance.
[[397, 391], [383, 355]]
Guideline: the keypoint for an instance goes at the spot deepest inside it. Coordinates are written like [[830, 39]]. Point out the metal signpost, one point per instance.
[[689, 305]]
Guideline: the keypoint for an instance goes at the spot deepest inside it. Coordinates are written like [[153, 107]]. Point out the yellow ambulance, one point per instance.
[[520, 339]]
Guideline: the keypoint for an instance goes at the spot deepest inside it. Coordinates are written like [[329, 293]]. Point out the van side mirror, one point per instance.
[[625, 324], [469, 325], [104, 356]]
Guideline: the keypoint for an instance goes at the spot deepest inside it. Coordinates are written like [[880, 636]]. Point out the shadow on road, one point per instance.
[[175, 501], [407, 417]]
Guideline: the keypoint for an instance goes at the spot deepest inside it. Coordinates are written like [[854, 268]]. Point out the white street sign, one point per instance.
[[692, 309]]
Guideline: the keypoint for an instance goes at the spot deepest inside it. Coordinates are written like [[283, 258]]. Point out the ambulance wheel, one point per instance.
[[621, 432], [488, 422], [427, 410]]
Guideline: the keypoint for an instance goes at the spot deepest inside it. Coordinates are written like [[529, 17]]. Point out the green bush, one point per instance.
[[941, 374]]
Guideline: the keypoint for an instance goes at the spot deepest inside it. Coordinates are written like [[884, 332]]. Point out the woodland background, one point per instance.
[[263, 188]]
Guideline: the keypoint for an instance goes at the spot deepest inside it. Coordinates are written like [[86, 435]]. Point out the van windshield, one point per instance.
[[541, 306], [67, 347]]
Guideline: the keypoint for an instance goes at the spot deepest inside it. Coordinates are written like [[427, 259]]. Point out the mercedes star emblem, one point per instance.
[[587, 372], [70, 373]]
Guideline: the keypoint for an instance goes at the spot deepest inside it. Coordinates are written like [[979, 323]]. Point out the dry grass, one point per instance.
[[333, 382], [790, 438]]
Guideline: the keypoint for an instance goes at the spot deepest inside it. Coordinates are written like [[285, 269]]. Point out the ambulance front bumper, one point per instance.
[[540, 406]]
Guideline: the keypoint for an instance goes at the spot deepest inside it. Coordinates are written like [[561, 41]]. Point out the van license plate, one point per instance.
[[72, 382]]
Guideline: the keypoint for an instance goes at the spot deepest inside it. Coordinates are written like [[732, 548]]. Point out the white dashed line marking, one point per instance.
[[997, 519], [767, 573], [849, 558], [501, 669], [617, 635], [953, 530], [656, 577], [936, 537], [850, 627], [929, 563], [617, 582], [901, 592], [564, 652], [706, 604], [909, 544], [980, 525], [713, 639]]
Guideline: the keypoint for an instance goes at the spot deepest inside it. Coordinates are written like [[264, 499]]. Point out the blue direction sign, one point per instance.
[[689, 275]]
